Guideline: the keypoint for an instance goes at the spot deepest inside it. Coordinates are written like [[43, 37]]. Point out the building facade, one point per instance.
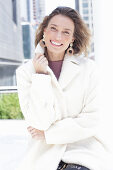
[[38, 10], [11, 51], [84, 7], [32, 13]]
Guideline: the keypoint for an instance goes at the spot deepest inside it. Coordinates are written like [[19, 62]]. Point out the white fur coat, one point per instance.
[[67, 111]]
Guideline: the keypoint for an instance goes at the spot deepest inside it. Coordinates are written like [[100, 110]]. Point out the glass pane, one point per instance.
[[86, 18], [14, 11], [7, 75], [85, 11], [85, 5]]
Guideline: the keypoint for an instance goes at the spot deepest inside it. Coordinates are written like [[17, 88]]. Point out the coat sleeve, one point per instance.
[[85, 125], [35, 97]]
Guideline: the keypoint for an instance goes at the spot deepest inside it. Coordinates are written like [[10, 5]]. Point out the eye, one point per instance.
[[66, 32], [53, 28]]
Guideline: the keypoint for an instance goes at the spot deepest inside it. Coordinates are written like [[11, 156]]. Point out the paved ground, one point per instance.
[[13, 143]]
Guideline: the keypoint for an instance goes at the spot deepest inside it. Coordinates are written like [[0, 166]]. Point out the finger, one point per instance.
[[41, 58], [42, 61], [37, 136], [32, 131], [29, 128], [37, 56], [35, 132], [45, 62]]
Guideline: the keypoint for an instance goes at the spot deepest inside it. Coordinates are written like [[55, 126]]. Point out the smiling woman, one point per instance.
[[58, 94], [64, 28], [58, 36]]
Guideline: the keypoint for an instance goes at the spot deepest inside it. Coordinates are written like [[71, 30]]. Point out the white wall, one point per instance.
[[23, 9], [103, 37]]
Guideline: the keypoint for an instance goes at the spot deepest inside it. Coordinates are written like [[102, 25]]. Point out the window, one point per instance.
[[86, 18], [85, 11], [7, 73], [14, 11], [85, 5]]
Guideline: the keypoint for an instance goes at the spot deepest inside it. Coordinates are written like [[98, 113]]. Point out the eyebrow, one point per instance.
[[64, 28]]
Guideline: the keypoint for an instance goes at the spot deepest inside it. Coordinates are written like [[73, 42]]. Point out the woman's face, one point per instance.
[[59, 34]]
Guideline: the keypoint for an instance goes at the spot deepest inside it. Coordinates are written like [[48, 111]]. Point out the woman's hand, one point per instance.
[[35, 133], [40, 63]]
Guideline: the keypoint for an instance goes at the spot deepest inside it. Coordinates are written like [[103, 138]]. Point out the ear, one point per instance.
[[73, 39]]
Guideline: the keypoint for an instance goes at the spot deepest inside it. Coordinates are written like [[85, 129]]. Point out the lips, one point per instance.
[[54, 43]]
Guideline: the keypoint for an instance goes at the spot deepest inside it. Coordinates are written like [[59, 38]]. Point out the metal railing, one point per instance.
[[8, 89]]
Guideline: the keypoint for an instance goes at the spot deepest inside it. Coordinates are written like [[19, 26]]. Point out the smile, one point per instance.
[[56, 44]]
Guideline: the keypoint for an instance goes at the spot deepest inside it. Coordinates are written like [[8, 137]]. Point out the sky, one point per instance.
[[52, 4]]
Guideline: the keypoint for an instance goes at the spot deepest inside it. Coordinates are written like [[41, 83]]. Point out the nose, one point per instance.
[[58, 36]]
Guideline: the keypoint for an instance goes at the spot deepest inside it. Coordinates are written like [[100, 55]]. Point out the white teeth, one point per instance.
[[55, 43]]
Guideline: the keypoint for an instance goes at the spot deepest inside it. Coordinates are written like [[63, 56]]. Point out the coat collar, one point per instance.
[[70, 69]]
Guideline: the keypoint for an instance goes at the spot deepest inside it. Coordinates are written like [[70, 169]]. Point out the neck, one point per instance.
[[54, 57]]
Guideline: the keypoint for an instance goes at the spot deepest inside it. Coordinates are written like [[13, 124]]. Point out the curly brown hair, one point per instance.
[[82, 34]]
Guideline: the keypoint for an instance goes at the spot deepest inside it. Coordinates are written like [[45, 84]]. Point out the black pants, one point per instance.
[[65, 166]]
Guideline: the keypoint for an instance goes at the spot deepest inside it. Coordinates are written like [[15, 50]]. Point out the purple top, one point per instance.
[[56, 67]]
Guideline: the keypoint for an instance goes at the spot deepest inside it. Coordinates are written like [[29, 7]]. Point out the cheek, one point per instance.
[[49, 35], [67, 41]]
